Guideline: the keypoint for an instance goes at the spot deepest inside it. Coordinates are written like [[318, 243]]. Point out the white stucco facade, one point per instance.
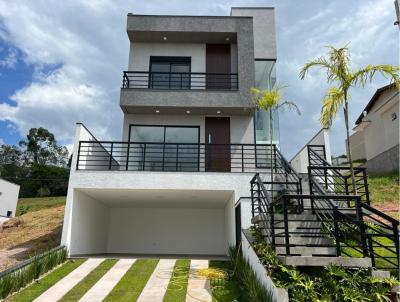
[[8, 198], [135, 211], [300, 161]]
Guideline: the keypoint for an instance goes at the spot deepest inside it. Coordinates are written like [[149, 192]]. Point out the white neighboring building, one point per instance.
[[376, 136], [191, 139], [8, 198]]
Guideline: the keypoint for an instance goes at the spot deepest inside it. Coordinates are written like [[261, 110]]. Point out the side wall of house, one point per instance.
[[381, 132], [89, 226], [8, 197]]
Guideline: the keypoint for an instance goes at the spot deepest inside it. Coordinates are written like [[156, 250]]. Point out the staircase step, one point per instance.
[[307, 251], [323, 261]]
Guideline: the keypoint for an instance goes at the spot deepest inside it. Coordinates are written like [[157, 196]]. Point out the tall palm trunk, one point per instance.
[[271, 133], [346, 118]]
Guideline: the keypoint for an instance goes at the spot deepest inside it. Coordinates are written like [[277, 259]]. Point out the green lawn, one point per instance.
[[225, 290], [26, 205], [384, 188], [133, 282], [36, 289], [82, 287], [176, 291]]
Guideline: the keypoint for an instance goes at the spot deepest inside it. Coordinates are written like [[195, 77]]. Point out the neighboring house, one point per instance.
[[376, 136], [192, 139], [8, 198]]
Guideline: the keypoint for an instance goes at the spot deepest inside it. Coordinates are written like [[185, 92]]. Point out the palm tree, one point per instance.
[[271, 100], [339, 71]]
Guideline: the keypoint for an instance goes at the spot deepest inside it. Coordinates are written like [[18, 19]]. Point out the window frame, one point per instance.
[[169, 60]]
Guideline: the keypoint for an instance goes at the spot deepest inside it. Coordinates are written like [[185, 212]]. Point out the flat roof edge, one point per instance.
[[188, 16]]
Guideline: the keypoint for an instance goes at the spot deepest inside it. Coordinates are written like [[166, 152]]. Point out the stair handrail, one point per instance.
[[287, 163]]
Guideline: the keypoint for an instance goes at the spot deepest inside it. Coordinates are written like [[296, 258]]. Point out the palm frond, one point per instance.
[[367, 73], [291, 106], [266, 99], [320, 62], [331, 103]]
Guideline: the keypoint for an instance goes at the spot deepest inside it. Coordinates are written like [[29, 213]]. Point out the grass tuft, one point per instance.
[[133, 282], [177, 287]]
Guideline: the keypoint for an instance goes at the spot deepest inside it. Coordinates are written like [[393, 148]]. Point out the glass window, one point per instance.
[[164, 148], [170, 72]]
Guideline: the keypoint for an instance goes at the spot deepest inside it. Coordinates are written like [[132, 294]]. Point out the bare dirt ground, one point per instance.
[[32, 233]]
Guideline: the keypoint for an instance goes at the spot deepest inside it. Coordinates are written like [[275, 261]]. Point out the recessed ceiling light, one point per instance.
[[157, 111], [218, 112], [227, 38], [164, 38], [187, 111]]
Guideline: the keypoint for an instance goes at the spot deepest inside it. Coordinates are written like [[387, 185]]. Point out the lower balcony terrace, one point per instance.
[[174, 157]]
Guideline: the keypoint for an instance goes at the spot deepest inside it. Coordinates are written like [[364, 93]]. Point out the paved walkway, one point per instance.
[[104, 286], [198, 286], [58, 290], [157, 284]]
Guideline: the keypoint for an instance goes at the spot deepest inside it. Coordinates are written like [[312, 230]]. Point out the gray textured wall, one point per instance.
[[385, 162]]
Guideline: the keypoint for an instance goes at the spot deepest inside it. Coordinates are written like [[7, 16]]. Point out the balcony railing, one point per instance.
[[180, 80], [173, 157]]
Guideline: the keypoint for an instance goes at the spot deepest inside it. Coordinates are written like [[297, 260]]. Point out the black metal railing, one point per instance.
[[174, 157], [180, 80], [336, 179], [330, 219]]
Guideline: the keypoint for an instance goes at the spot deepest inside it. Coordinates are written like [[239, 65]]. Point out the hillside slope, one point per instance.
[[36, 231]]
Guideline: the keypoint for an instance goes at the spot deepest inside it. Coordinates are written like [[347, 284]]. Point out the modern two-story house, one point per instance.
[[192, 139]]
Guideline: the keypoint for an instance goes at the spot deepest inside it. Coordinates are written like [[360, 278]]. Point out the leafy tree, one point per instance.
[[270, 101], [42, 148], [339, 71], [9, 155]]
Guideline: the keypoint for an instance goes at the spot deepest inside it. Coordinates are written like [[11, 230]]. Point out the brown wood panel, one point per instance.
[[218, 149], [218, 60]]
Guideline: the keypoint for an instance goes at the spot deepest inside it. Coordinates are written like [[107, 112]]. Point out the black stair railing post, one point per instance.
[[311, 189], [362, 228], [252, 197], [242, 159], [78, 158], [396, 240], [272, 221], [111, 157], [366, 186], [286, 224], [336, 230], [127, 156]]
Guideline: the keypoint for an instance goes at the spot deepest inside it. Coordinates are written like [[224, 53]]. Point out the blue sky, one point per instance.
[[59, 67]]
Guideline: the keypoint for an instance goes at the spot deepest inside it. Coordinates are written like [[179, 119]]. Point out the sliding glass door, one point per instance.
[[164, 148]]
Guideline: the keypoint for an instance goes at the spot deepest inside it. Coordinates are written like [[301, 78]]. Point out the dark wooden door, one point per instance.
[[218, 149], [218, 66]]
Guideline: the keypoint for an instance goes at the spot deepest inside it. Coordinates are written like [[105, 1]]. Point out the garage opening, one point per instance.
[[152, 222]]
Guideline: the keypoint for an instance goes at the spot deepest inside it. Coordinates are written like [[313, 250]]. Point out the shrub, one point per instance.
[[14, 280], [332, 283], [254, 290]]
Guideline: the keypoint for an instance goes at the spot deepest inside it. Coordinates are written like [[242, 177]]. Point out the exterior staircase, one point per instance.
[[312, 220]]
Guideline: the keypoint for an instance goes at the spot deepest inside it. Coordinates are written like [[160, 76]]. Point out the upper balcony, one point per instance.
[[195, 63]]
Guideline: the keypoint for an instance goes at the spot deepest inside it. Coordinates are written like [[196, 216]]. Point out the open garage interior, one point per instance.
[[151, 222]]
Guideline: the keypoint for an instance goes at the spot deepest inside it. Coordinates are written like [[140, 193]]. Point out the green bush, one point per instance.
[[253, 289], [332, 283], [39, 265]]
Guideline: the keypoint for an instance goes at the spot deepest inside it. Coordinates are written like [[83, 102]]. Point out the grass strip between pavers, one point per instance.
[[177, 286], [132, 283], [37, 288], [225, 290], [86, 283]]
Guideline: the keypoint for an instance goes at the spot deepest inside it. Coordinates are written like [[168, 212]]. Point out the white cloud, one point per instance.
[[10, 60], [86, 45], [1, 141]]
